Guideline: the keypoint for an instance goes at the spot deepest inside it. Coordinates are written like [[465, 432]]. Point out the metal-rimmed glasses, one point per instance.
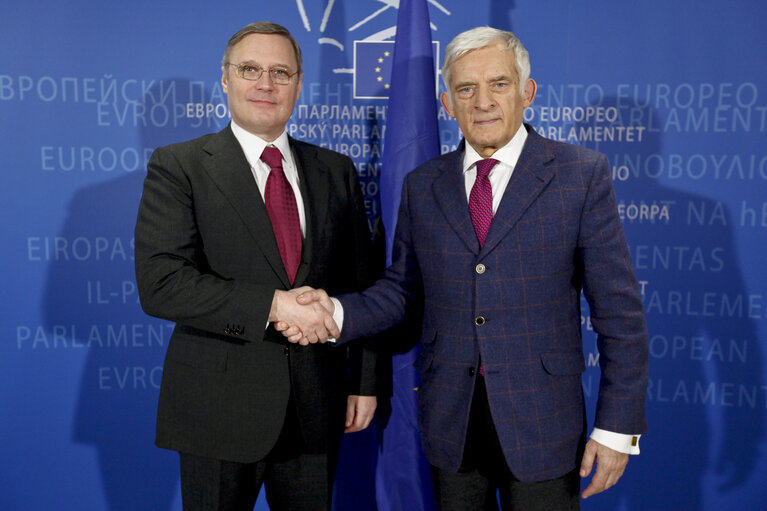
[[252, 72]]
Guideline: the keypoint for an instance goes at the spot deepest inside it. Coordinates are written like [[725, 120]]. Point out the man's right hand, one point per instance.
[[303, 319], [308, 298]]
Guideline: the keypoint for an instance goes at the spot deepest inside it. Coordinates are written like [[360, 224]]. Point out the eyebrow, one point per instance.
[[498, 78], [256, 64]]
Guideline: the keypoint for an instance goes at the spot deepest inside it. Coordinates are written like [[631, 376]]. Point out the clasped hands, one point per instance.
[[304, 315]]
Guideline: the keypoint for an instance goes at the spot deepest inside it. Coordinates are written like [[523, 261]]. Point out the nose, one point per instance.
[[484, 99], [264, 81]]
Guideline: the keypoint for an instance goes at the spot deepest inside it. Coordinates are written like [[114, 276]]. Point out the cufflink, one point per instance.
[[634, 441]]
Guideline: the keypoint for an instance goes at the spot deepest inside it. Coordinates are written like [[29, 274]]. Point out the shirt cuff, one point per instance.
[[628, 444], [338, 315]]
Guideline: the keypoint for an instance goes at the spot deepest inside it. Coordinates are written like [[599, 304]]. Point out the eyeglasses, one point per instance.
[[252, 72]]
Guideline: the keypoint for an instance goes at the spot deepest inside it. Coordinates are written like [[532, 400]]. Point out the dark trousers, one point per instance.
[[484, 471], [294, 479]]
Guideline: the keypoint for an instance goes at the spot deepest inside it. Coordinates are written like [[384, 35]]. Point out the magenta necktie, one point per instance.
[[281, 206], [481, 200]]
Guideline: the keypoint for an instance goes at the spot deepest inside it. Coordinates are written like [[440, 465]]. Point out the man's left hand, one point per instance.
[[359, 412], [610, 467]]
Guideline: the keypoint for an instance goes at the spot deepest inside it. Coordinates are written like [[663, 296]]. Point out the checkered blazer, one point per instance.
[[515, 304]]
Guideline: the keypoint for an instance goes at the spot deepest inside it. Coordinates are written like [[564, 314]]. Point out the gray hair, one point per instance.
[[481, 37], [262, 27]]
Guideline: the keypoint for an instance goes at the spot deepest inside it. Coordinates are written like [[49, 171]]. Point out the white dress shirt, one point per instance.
[[500, 174], [253, 145]]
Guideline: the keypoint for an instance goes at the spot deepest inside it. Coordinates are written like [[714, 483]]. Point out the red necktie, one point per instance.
[[481, 200], [281, 206]]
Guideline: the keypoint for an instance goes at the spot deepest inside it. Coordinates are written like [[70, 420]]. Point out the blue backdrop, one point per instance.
[[675, 93]]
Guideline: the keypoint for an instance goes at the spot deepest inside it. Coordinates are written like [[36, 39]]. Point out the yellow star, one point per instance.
[[378, 70], [380, 60], [379, 79], [386, 86], [386, 54]]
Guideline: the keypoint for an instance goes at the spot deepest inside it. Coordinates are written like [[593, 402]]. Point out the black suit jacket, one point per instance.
[[206, 258]]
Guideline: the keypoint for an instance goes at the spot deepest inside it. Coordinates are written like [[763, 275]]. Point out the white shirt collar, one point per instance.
[[508, 154], [253, 145]]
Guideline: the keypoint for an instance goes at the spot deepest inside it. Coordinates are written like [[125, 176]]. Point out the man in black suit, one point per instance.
[[230, 225]]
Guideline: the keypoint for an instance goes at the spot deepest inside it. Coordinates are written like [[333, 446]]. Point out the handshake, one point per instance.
[[304, 315]]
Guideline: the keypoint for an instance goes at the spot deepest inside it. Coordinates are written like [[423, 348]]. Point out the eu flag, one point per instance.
[[372, 69], [373, 62], [403, 480]]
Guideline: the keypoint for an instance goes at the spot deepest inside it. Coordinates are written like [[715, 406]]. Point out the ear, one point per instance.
[[224, 79], [444, 98], [529, 94]]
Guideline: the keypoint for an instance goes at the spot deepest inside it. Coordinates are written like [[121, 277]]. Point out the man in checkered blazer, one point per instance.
[[498, 261]]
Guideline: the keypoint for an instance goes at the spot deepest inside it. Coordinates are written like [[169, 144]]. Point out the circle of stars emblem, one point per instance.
[[378, 69]]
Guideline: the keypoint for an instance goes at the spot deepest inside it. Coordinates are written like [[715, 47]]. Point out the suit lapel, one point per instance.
[[316, 196], [229, 169], [530, 177], [450, 195]]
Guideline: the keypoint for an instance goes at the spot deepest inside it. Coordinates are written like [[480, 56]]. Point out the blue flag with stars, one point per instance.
[[403, 479]]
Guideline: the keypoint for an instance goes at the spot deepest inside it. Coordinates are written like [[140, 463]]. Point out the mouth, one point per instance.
[[485, 122], [261, 101]]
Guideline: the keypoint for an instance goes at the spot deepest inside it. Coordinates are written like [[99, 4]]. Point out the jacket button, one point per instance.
[[227, 331], [471, 371], [480, 268], [286, 351], [479, 320]]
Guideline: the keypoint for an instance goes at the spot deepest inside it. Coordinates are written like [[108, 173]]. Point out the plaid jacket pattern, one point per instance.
[[515, 305]]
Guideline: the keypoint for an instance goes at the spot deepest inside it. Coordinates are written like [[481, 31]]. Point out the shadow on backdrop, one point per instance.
[[694, 356], [500, 14], [119, 385]]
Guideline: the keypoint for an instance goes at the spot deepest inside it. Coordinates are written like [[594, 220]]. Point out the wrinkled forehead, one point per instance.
[[256, 47], [493, 59]]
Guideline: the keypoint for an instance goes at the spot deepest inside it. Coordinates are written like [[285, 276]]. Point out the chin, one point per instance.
[[486, 142]]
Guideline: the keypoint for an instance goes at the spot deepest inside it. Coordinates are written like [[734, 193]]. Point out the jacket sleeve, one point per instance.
[[387, 303], [611, 290], [175, 281]]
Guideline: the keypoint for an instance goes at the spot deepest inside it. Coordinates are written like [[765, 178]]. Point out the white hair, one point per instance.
[[481, 37]]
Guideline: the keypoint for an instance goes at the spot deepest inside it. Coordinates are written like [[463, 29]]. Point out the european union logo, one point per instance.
[[372, 68]]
